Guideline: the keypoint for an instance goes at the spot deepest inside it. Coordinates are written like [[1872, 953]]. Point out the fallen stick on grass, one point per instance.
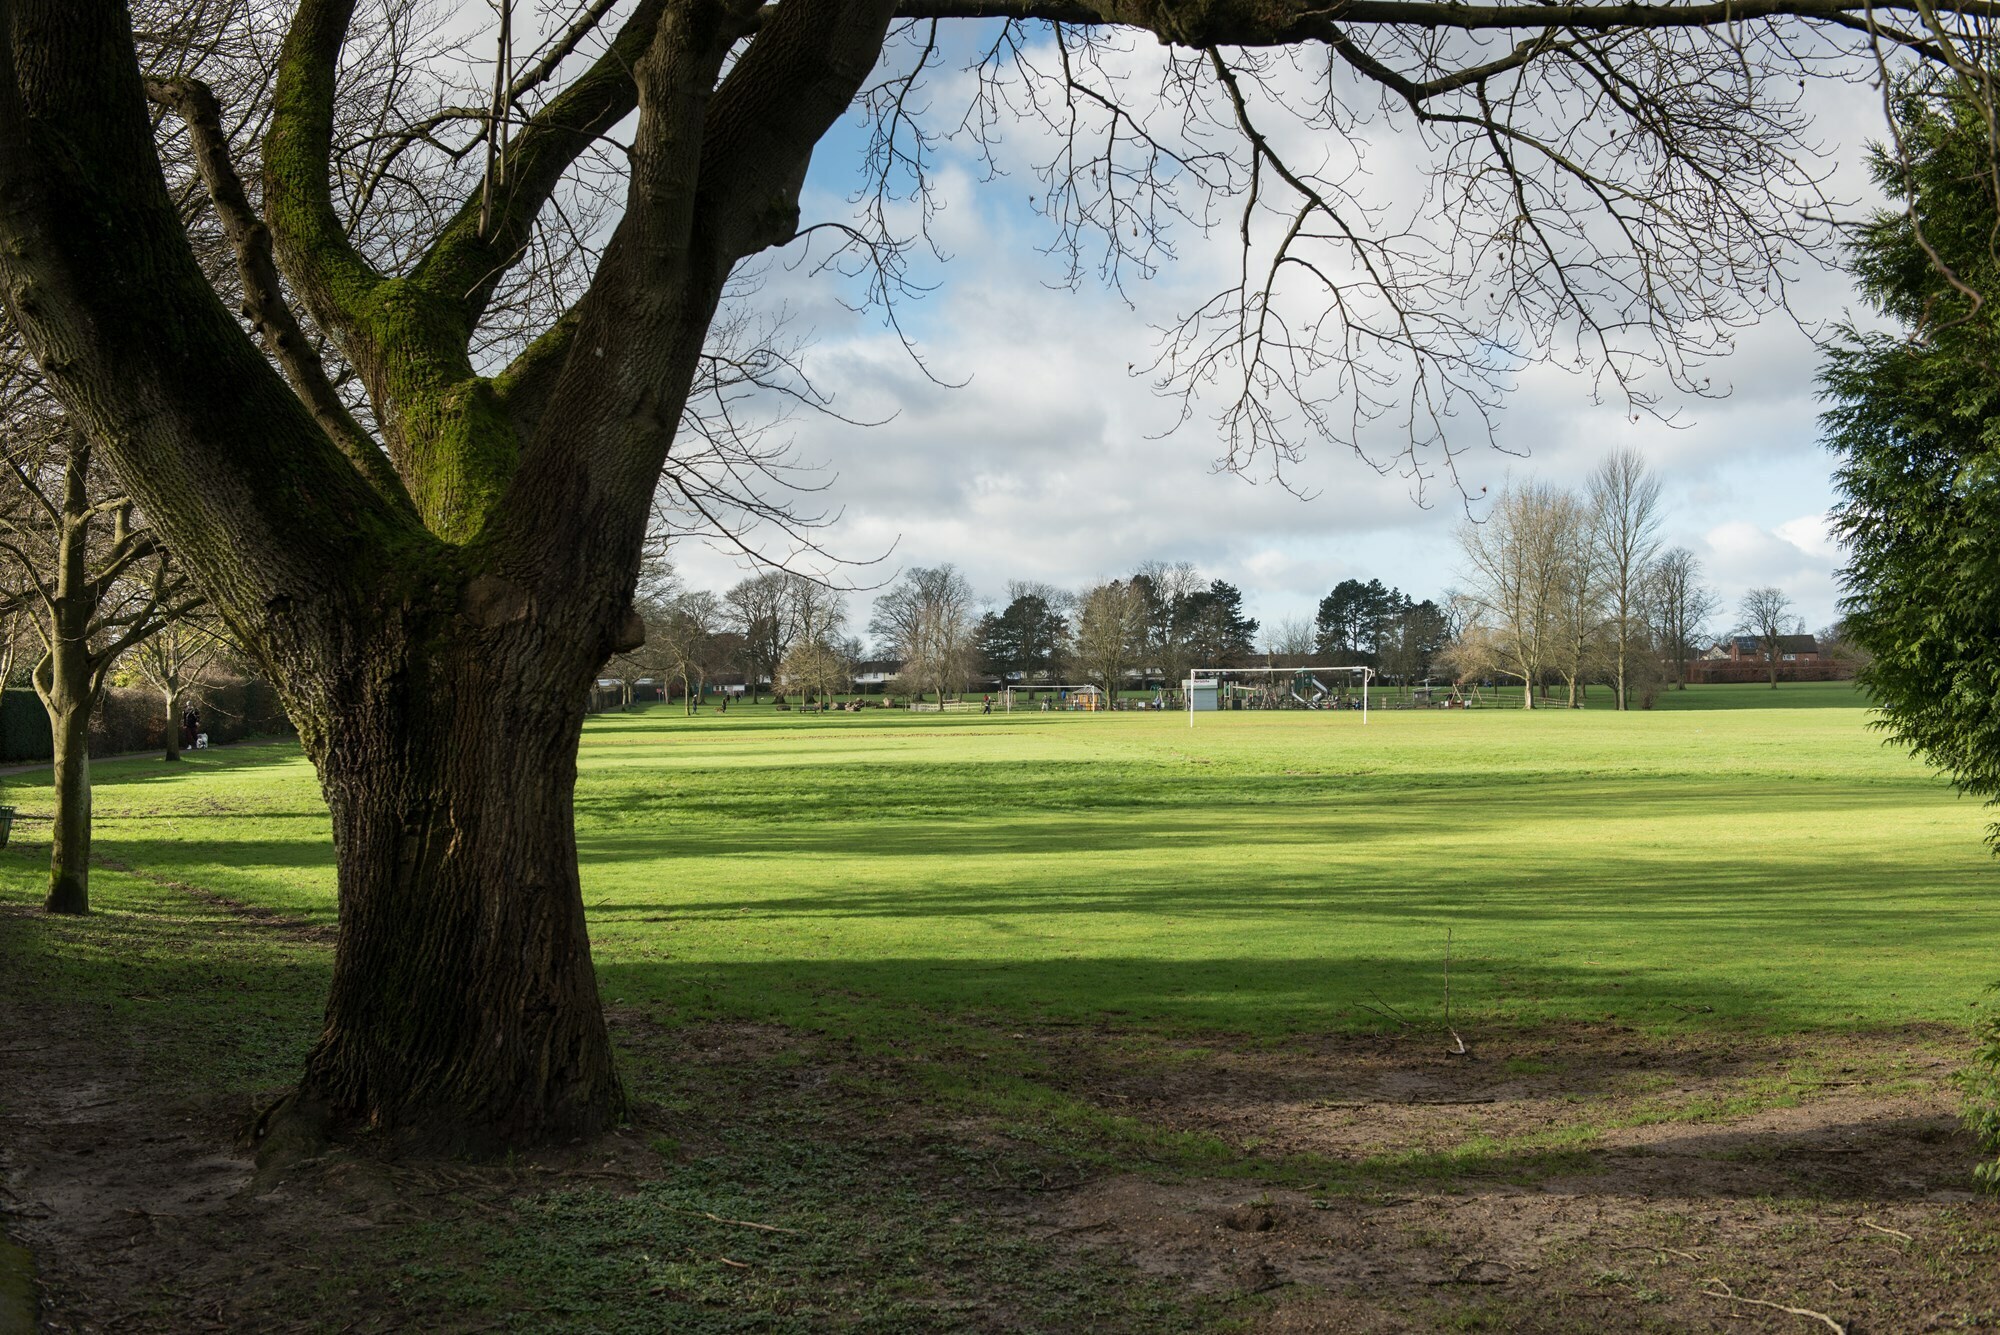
[[1407, 1103], [1892, 1232], [1653, 1247], [1387, 1011], [1729, 1295], [737, 1223]]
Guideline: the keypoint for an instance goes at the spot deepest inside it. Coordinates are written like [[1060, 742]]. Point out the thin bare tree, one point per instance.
[[682, 641], [1517, 573], [1625, 507], [1110, 634], [1582, 594], [174, 658], [93, 581], [1680, 605], [1291, 636]]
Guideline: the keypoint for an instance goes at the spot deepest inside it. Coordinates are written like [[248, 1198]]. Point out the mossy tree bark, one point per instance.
[[434, 626]]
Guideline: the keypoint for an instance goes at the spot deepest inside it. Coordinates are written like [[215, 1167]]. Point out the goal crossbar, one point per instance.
[[1196, 674]]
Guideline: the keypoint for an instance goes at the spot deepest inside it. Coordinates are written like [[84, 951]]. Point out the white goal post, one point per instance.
[[1217, 674]]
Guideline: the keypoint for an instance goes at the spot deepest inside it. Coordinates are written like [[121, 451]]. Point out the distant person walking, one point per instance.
[[190, 727]]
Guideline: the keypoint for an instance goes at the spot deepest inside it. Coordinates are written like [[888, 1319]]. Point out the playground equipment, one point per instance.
[[1212, 689], [1084, 698]]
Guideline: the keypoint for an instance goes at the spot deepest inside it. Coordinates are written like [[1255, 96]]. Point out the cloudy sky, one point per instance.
[[1056, 460]]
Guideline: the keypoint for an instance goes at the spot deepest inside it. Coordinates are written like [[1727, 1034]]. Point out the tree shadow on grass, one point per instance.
[[1225, 1001], [1890, 1160], [852, 801], [1751, 1133], [148, 771], [1648, 895]]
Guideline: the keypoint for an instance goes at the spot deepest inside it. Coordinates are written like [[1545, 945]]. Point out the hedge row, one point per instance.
[[135, 719], [1716, 672]]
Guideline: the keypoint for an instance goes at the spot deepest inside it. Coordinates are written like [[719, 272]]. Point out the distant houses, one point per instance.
[[1742, 658]]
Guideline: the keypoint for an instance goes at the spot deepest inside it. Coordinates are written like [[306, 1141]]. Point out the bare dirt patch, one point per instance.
[[1587, 1180]]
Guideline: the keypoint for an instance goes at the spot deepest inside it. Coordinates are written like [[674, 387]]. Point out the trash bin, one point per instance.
[[6, 824]]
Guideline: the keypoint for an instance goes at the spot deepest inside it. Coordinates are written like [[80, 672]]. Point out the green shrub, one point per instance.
[[1982, 1095]]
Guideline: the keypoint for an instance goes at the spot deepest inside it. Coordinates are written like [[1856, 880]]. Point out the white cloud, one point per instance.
[[1797, 555], [1058, 461]]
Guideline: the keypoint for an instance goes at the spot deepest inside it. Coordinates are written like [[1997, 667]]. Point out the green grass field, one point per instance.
[[807, 926], [1260, 874]]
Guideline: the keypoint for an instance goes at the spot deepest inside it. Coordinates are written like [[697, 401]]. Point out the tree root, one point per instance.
[[285, 1134]]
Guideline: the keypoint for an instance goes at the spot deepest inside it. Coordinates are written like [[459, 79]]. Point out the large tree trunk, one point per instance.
[[463, 1000]]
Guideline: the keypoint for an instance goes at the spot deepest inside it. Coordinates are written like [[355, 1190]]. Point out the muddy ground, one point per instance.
[[1593, 1179]]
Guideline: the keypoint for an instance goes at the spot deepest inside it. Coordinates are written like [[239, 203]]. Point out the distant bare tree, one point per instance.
[[1293, 635], [820, 661], [760, 611], [1582, 592], [684, 641], [928, 619], [1625, 506], [1474, 653], [1680, 606], [1767, 614], [1110, 633], [818, 611], [1518, 569], [174, 657], [815, 668]]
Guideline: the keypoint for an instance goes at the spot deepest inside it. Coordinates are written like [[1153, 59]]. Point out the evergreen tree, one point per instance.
[[1219, 635], [1354, 619], [1027, 637], [1915, 419]]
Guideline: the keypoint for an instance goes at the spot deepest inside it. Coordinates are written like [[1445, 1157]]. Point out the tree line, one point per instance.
[[1562, 589], [791, 630], [1569, 588]]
